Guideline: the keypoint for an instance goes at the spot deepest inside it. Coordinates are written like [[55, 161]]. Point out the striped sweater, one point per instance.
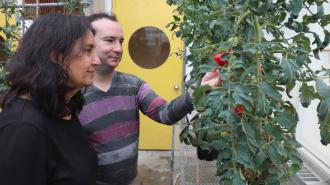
[[111, 121]]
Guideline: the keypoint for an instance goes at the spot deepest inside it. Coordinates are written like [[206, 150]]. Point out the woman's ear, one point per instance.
[[56, 57]]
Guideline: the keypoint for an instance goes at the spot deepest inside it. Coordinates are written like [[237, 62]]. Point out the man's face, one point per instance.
[[108, 42]]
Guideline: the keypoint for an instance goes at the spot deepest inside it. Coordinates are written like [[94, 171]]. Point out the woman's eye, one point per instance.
[[89, 51]]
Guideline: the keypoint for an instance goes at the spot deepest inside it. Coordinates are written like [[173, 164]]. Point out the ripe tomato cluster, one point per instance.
[[239, 109], [218, 57]]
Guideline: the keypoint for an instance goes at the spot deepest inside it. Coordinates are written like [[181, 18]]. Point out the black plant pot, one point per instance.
[[206, 154]]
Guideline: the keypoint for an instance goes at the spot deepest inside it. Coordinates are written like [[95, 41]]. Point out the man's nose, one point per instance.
[[118, 47]]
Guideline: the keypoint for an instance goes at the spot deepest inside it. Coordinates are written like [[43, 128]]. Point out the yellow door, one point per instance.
[[143, 23]]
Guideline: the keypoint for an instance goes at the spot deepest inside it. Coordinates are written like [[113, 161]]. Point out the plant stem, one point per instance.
[[258, 40]]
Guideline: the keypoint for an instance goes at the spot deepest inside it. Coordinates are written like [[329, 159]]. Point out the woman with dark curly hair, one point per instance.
[[41, 139]]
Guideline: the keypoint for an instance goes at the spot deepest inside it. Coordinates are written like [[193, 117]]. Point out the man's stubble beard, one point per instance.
[[104, 70]]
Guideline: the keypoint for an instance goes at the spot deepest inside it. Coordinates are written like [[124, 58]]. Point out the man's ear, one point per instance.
[[56, 57]]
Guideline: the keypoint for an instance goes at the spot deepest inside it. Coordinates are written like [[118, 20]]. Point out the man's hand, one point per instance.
[[212, 79]]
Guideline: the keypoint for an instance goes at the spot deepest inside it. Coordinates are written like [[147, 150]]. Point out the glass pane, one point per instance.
[[149, 47]]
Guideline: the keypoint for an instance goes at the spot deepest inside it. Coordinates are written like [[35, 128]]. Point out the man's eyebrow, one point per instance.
[[108, 37], [112, 37]]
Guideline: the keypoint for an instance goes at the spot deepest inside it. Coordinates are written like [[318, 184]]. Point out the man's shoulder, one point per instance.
[[121, 76]]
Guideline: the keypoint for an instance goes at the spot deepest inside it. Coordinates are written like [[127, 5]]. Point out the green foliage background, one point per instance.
[[259, 146]]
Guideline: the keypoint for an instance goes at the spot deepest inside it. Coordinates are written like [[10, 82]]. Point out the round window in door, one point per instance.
[[149, 47]]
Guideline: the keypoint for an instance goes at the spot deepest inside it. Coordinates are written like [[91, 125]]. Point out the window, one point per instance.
[[34, 8], [149, 47]]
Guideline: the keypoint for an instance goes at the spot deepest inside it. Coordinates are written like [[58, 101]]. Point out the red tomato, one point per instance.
[[239, 109], [217, 58]]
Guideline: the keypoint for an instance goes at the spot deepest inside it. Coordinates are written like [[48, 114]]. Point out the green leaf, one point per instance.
[[293, 169], [230, 117], [326, 41], [269, 91], [242, 156], [260, 158], [184, 134], [286, 120], [316, 53], [295, 7], [290, 69], [250, 133], [199, 97], [323, 108], [320, 12], [301, 57], [248, 32], [273, 179], [174, 26], [322, 88], [304, 42], [274, 155], [176, 18], [317, 40], [241, 98], [325, 131], [325, 21], [207, 67], [298, 26], [307, 94], [294, 156], [289, 87], [261, 104], [219, 144], [238, 179]]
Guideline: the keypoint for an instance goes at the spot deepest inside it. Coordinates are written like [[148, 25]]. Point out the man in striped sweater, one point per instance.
[[110, 116]]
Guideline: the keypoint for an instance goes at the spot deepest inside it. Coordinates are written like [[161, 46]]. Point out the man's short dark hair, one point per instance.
[[98, 16]]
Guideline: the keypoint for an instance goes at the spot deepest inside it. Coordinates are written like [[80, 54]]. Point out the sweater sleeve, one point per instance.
[[22, 156], [159, 109]]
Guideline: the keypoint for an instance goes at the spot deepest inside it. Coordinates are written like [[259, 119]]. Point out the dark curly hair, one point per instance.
[[33, 70]]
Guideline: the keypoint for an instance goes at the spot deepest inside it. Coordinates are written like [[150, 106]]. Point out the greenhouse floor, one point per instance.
[[155, 168]]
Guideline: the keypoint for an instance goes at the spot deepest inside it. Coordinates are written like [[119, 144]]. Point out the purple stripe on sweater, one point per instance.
[[143, 92], [98, 109], [114, 131]]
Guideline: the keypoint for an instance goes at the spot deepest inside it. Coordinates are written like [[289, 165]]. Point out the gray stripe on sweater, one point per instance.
[[118, 155], [115, 143]]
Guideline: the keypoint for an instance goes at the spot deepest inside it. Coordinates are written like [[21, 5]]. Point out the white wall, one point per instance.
[[308, 133], [102, 6]]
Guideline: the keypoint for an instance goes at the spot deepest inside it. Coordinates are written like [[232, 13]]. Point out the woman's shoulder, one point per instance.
[[22, 112]]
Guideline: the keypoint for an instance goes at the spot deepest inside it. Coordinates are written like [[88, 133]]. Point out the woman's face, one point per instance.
[[81, 62]]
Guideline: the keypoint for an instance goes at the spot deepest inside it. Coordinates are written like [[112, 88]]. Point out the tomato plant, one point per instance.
[[272, 45]]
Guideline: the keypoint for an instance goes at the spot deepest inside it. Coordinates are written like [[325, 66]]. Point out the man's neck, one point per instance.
[[103, 78]]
